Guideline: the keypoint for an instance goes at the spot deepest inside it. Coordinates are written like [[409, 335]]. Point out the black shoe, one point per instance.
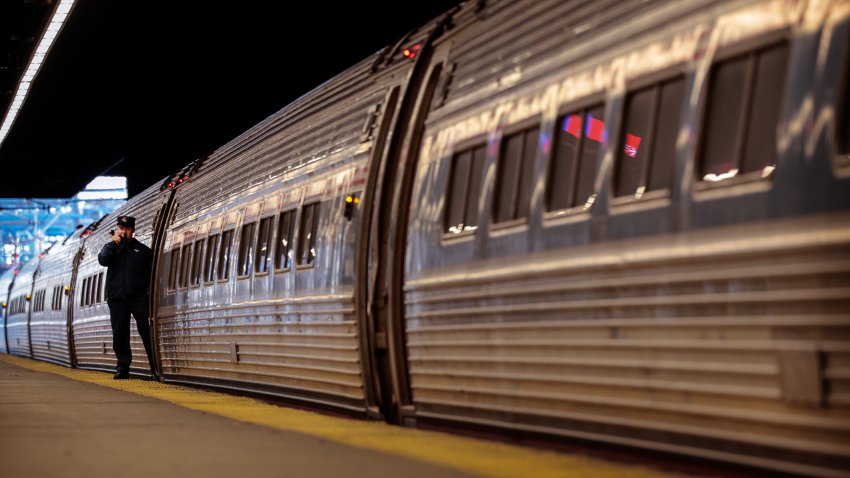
[[121, 376], [154, 376]]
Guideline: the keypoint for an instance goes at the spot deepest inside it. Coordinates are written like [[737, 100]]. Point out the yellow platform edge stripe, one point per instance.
[[476, 456]]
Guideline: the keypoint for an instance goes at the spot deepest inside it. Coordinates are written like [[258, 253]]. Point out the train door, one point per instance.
[[161, 221], [388, 235]]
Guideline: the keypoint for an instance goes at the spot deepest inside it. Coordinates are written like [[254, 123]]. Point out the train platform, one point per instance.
[[56, 421]]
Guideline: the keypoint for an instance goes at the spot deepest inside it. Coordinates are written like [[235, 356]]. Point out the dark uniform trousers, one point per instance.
[[119, 315]]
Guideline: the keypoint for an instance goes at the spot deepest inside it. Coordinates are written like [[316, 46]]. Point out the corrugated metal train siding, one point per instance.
[[679, 355], [305, 347], [523, 34], [325, 121], [92, 329], [17, 326], [306, 344], [49, 328]]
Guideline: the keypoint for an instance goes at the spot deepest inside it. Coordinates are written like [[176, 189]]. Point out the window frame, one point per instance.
[[519, 128], [185, 267], [841, 152], [210, 252], [173, 266], [469, 145], [577, 212], [655, 80], [270, 236], [314, 233], [195, 267], [223, 267], [751, 48], [249, 249], [292, 224]]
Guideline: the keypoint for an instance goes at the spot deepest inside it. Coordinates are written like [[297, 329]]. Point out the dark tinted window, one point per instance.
[[224, 255], [246, 248], [185, 260], [634, 154], [307, 234], [174, 261], [667, 124], [574, 162], [99, 288], [285, 228], [742, 114], [760, 150], [464, 189], [514, 175], [209, 260], [647, 152], [264, 237], [842, 126], [195, 277]]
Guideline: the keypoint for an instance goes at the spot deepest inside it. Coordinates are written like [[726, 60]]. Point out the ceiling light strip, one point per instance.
[[38, 56]]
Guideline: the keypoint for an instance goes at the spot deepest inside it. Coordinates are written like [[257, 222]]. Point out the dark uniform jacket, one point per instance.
[[129, 272]]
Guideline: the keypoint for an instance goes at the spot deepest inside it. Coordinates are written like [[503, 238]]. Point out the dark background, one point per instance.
[[142, 88]]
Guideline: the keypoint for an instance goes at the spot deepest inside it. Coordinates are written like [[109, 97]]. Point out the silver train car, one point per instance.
[[622, 222], [6, 280]]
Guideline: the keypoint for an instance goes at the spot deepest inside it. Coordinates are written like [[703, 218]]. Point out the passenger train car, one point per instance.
[[623, 222]]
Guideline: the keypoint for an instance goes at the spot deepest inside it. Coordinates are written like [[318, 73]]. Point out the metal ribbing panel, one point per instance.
[[321, 123], [49, 328], [91, 328], [306, 348], [651, 345], [521, 34]]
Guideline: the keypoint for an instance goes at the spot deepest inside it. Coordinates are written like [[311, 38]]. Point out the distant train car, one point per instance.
[[6, 280], [626, 222], [50, 325], [20, 307]]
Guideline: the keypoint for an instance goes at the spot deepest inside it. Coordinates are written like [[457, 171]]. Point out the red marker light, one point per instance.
[[411, 51]]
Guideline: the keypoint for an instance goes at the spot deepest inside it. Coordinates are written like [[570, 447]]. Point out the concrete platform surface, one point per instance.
[[56, 421]]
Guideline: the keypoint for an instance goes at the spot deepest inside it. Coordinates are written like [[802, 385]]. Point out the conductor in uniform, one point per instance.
[[127, 291]]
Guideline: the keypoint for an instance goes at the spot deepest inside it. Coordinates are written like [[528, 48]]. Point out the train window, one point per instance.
[[224, 255], [648, 143], [842, 126], [83, 294], [246, 247], [100, 288], [185, 260], [209, 260], [579, 136], [264, 238], [514, 175], [61, 292], [307, 234], [464, 190], [174, 260], [285, 229], [742, 111], [89, 290], [195, 276]]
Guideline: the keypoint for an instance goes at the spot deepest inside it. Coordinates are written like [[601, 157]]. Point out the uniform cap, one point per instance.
[[127, 221]]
